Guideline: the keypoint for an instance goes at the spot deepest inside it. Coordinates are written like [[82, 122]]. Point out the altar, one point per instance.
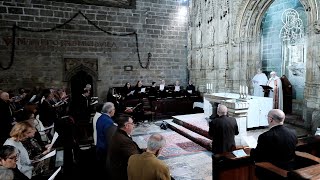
[[249, 112]]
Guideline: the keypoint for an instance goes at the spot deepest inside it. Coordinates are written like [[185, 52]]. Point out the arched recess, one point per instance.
[[74, 71], [247, 33]]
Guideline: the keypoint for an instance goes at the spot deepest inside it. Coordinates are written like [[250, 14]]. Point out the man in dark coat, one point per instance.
[[223, 130], [278, 144], [121, 148], [6, 117]]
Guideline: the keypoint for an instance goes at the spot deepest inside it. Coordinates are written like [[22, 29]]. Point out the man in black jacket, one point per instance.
[[6, 117], [278, 144], [223, 130]]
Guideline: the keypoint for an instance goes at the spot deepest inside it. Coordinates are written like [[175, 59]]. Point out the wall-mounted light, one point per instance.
[[127, 68]]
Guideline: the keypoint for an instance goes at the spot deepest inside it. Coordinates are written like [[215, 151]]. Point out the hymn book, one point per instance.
[[239, 153]]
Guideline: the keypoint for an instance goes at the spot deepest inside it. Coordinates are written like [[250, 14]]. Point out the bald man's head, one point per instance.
[[155, 142], [4, 96], [222, 110], [277, 115]]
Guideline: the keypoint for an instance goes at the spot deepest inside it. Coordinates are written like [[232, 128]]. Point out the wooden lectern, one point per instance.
[[266, 90]]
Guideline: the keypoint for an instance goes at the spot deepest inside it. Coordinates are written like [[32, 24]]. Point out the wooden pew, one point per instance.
[[309, 144], [227, 166]]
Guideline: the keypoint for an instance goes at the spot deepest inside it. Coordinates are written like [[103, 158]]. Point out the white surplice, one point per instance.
[[257, 80]]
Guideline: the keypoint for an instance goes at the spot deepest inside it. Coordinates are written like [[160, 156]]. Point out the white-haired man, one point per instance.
[[147, 166]]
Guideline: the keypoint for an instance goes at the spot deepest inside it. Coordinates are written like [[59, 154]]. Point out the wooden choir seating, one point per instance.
[[307, 164], [165, 107]]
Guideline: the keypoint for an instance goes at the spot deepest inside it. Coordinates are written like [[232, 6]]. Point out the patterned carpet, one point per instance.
[[176, 145], [191, 167]]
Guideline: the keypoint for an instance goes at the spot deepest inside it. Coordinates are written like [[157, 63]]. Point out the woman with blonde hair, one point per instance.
[[20, 132]]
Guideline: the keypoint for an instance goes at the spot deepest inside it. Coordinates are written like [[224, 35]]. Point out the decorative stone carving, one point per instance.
[[315, 122], [316, 26], [71, 63]]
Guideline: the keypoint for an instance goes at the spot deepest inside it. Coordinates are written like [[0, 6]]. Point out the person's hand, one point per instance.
[[128, 110], [48, 149]]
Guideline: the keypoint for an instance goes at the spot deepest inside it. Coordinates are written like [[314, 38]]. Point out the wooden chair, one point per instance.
[[303, 161]]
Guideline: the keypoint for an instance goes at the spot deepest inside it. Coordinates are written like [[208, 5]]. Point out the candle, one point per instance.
[[247, 90], [240, 89], [211, 85], [243, 90], [207, 85]]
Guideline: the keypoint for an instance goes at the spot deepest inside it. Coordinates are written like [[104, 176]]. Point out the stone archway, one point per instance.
[[81, 71], [247, 36]]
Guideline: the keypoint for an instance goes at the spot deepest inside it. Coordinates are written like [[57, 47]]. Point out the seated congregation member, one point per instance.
[[139, 90], [177, 89], [103, 123], [121, 148], [190, 89], [277, 145], [163, 89], [20, 132], [127, 91], [153, 92], [147, 166], [223, 129], [8, 164]]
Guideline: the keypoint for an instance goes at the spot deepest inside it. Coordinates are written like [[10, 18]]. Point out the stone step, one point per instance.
[[196, 123], [295, 120], [195, 137]]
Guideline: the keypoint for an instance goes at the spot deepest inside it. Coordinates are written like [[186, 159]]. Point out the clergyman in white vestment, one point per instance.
[[259, 79], [276, 93]]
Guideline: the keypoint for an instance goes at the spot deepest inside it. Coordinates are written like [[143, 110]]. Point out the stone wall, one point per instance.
[[40, 57]]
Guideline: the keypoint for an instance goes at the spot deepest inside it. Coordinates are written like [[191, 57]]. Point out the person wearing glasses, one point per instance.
[[8, 164], [121, 148], [278, 144]]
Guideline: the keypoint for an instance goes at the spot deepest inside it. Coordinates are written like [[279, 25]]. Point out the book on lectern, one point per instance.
[[266, 87]]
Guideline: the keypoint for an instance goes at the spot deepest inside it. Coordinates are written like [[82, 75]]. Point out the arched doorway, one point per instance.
[[79, 72], [79, 81]]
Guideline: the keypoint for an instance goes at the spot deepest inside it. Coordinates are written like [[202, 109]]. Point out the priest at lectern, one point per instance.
[[276, 91]]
